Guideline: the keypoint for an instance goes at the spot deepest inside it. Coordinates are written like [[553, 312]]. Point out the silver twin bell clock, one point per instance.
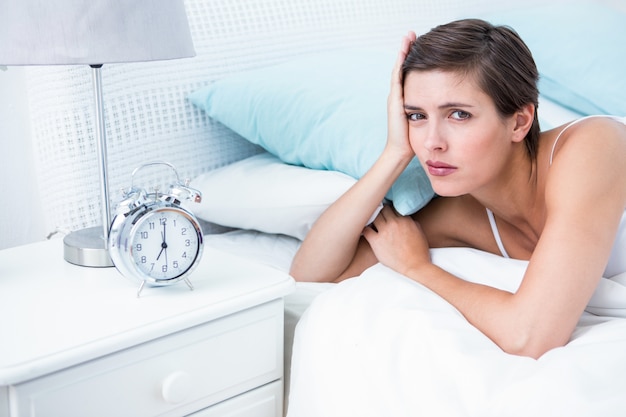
[[153, 238]]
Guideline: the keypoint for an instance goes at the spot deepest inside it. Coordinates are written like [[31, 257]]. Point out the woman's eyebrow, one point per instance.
[[410, 107], [453, 104], [443, 106]]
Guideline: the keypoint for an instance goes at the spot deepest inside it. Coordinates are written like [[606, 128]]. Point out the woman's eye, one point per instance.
[[460, 115], [415, 116]]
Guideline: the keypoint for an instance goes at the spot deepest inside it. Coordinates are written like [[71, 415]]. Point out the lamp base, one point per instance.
[[87, 247]]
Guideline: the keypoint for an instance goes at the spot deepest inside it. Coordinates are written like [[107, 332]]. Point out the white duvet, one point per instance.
[[383, 345]]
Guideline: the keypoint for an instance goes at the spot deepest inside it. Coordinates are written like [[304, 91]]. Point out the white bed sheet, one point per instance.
[[383, 345]]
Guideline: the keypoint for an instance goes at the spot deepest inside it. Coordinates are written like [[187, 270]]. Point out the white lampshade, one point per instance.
[[48, 32]]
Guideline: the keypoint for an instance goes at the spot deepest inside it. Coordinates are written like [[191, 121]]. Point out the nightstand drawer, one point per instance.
[[265, 401], [174, 375]]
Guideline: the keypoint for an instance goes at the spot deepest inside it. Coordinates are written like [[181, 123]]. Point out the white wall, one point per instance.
[[20, 215]]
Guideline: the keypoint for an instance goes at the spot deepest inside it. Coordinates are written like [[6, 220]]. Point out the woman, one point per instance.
[[464, 100]]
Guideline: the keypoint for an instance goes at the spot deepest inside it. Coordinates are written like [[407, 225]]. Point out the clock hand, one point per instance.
[[163, 244]]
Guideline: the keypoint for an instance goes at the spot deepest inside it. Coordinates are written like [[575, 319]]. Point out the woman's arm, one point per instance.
[[333, 249], [585, 199]]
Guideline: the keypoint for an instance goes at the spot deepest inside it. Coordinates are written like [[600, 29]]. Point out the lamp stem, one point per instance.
[[89, 247], [101, 144]]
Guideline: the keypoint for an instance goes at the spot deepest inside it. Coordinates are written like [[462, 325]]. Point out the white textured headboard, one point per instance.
[[147, 114]]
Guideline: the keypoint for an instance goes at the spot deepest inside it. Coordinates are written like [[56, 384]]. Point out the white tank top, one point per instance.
[[617, 261]]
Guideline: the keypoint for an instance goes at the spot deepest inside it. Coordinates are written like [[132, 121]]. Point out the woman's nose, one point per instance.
[[434, 139]]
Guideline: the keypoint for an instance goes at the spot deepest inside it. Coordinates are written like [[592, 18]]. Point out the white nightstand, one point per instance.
[[77, 341]]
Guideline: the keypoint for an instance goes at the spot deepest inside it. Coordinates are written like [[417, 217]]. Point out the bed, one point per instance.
[[261, 121]]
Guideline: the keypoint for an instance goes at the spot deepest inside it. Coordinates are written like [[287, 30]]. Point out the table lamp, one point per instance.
[[93, 32]]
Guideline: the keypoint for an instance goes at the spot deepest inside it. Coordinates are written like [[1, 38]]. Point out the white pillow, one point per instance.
[[263, 193]]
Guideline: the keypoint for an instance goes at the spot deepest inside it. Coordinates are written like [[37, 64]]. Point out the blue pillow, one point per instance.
[[323, 111], [580, 53]]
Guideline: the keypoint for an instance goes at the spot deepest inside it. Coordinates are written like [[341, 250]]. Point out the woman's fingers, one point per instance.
[[405, 45], [384, 216]]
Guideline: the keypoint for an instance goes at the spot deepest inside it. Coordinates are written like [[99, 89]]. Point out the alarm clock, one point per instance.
[[152, 237]]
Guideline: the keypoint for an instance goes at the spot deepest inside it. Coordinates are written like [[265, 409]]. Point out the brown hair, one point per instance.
[[496, 56]]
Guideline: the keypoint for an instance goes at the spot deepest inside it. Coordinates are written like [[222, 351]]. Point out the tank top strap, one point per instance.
[[496, 233], [617, 118]]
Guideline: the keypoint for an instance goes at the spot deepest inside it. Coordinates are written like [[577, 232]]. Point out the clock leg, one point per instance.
[[189, 284], [141, 288]]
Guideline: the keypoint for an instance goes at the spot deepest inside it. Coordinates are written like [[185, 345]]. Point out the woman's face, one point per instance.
[[456, 132]]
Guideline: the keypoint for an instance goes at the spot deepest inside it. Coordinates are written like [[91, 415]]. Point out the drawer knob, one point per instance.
[[176, 387]]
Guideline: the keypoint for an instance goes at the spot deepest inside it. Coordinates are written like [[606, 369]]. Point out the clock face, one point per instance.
[[164, 244]]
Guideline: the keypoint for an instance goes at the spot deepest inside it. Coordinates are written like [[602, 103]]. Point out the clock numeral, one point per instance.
[[151, 225], [164, 268], [187, 242], [184, 254], [163, 220], [143, 260], [175, 264], [183, 231], [144, 235], [138, 247]]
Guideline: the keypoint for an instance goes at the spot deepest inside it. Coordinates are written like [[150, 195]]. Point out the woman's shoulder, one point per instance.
[[585, 161], [598, 134]]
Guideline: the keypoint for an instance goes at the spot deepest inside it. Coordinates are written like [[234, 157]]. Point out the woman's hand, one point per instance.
[[398, 241], [397, 129]]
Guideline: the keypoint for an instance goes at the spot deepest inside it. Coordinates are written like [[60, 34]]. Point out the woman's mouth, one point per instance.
[[439, 169]]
